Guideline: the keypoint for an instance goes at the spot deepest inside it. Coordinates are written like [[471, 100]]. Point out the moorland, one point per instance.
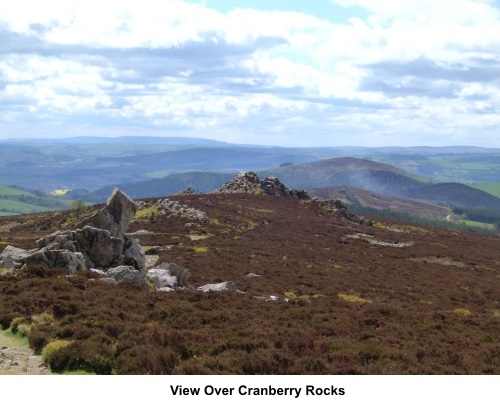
[[317, 294]]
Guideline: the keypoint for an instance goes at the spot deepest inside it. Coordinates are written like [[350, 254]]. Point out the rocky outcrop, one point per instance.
[[116, 216], [243, 182], [341, 211], [188, 191], [101, 242], [272, 186], [13, 258], [174, 208], [249, 183]]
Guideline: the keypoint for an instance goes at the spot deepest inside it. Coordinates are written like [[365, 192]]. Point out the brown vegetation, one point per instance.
[[345, 306]]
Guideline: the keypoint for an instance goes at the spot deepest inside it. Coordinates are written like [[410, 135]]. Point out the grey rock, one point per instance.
[[116, 216], [51, 259], [98, 273], [169, 207], [249, 183], [341, 211], [161, 278], [100, 248], [12, 257], [165, 289], [252, 275], [134, 253], [127, 274], [177, 271], [108, 280], [225, 286]]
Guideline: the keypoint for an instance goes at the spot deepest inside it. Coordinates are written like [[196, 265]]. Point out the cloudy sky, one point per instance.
[[286, 72]]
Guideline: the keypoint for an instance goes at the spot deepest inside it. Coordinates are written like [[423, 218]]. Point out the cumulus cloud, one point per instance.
[[409, 72]]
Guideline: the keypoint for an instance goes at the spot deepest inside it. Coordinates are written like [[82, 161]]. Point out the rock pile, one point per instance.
[[341, 211], [249, 182], [99, 242], [187, 191], [170, 207]]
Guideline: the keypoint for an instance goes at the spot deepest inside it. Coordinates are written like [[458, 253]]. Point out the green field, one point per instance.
[[492, 188], [476, 224], [14, 201], [10, 191]]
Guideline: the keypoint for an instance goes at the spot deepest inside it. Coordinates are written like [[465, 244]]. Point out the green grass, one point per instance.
[[476, 224], [17, 207], [5, 190], [7, 338], [492, 188]]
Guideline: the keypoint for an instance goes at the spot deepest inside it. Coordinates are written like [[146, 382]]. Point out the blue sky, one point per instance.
[[294, 73]]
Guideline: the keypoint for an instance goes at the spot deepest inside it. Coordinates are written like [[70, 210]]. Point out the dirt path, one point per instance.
[[15, 358]]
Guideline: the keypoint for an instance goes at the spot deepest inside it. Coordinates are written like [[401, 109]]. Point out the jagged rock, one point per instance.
[[127, 274], [58, 240], [103, 245], [341, 211], [12, 257], [188, 191], [243, 182], [100, 248], [116, 216], [272, 186], [249, 183], [225, 286], [170, 207], [161, 278], [177, 271], [134, 253], [51, 259]]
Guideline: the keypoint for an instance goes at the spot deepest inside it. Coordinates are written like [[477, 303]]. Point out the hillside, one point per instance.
[[369, 199], [319, 295], [347, 171], [456, 194], [382, 179], [15, 201]]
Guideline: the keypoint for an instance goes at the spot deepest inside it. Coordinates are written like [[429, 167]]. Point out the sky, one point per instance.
[[280, 72]]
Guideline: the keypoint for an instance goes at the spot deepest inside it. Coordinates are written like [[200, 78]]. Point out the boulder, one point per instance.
[[116, 216], [51, 259], [161, 278], [177, 271], [127, 274], [133, 254], [225, 286], [100, 248], [12, 257]]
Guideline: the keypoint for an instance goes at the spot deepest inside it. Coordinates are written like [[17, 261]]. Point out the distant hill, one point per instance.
[[347, 171], [365, 198], [123, 140], [382, 179], [456, 194], [201, 182], [210, 159], [15, 201]]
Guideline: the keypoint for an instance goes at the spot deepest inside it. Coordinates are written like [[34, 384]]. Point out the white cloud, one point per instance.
[[412, 66]]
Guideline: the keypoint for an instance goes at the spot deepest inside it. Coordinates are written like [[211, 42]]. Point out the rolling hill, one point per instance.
[[15, 201], [382, 179]]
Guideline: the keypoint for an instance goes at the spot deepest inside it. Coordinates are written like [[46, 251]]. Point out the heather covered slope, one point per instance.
[[388, 299]]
